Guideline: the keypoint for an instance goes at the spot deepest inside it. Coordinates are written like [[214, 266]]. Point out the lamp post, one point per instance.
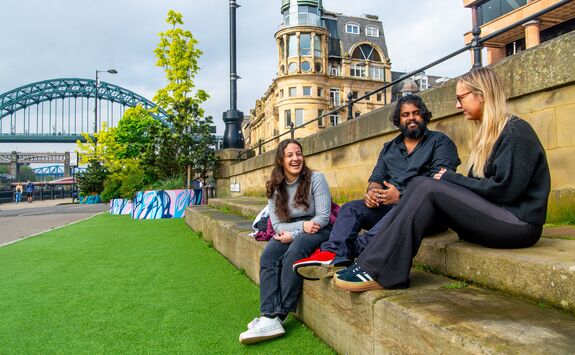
[[111, 71], [233, 137]]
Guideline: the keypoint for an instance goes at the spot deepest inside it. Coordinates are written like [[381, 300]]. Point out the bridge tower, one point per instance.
[[14, 167]]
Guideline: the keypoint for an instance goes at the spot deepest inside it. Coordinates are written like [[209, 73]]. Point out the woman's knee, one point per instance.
[[271, 255]]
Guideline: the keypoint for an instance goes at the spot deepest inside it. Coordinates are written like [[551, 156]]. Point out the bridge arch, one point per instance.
[[58, 90]]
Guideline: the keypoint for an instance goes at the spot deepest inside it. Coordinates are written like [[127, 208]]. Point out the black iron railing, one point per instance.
[[476, 46]]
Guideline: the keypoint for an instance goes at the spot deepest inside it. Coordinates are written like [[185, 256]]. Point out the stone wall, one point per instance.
[[540, 85]]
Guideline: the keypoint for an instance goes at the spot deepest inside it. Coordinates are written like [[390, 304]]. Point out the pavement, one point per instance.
[[22, 220]]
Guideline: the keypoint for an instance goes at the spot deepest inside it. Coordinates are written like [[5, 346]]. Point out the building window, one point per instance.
[[317, 47], [334, 120], [306, 66], [352, 28], [372, 31], [333, 69], [281, 93], [357, 70], [305, 44], [356, 114], [283, 69], [320, 120], [292, 91], [366, 52], [292, 67], [354, 95], [307, 91], [318, 67], [334, 97], [298, 116], [378, 97], [367, 98], [287, 118], [376, 72], [281, 48], [292, 46], [422, 82], [319, 92]]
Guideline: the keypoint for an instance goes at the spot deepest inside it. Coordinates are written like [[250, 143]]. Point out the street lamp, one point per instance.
[[111, 71]]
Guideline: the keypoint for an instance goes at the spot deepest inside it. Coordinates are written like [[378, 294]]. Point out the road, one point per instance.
[[21, 220]]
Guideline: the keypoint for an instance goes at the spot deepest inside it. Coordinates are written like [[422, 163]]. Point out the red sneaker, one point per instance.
[[319, 265]]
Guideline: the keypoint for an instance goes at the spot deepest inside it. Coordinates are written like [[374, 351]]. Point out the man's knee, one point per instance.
[[354, 207]]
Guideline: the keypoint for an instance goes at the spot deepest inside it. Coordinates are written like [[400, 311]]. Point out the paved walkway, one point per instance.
[[21, 220]]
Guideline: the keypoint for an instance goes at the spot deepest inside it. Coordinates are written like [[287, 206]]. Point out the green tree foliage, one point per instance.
[[178, 55], [92, 180], [27, 174]]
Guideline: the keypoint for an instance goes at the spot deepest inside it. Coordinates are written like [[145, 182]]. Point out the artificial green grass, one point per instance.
[[111, 284]]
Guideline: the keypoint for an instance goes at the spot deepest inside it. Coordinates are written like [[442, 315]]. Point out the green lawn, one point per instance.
[[114, 285]]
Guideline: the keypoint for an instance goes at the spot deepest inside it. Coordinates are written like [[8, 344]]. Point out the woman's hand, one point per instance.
[[284, 237], [438, 175], [310, 227]]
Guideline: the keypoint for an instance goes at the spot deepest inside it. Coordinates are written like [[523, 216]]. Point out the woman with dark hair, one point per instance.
[[501, 203], [299, 205]]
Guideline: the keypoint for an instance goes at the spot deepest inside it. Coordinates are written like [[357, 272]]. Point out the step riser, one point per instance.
[[544, 272]]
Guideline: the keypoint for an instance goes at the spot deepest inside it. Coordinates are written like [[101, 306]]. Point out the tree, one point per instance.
[[27, 174], [92, 180], [178, 55]]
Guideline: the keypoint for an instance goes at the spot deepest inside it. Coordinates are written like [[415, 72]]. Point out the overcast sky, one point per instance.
[[42, 40]]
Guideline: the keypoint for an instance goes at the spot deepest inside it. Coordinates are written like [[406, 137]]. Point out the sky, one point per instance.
[[42, 40]]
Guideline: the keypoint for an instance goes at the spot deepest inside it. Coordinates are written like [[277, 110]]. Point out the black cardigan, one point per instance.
[[516, 173]]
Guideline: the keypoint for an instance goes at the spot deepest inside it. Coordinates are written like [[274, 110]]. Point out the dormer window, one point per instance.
[[352, 28], [372, 31]]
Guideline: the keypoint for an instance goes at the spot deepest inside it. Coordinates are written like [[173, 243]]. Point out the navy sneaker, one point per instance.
[[355, 279]]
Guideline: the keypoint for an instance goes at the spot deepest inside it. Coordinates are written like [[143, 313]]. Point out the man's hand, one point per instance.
[[372, 197], [438, 175], [310, 227], [284, 237], [389, 196]]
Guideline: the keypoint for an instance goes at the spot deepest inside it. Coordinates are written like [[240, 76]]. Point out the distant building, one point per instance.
[[414, 84], [493, 15], [322, 56]]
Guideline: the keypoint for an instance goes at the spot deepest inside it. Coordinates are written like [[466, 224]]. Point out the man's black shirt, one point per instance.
[[434, 151]]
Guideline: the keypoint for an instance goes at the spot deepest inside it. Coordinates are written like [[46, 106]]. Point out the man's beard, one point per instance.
[[413, 133]]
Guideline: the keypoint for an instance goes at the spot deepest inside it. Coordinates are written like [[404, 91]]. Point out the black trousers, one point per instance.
[[427, 204]]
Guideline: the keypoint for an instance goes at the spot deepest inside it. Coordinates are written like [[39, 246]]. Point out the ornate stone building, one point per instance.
[[322, 57]]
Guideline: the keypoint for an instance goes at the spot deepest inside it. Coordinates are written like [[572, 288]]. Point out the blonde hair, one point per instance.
[[484, 83]]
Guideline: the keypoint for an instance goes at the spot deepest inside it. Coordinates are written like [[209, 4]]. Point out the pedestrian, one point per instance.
[[18, 195], [30, 191], [299, 205], [501, 203]]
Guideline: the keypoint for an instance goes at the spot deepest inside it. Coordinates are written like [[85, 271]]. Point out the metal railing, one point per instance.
[[40, 194], [476, 46]]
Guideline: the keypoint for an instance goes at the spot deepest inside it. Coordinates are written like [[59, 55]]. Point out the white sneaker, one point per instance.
[[255, 321], [261, 329]]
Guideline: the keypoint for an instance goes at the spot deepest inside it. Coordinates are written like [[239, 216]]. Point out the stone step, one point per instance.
[[435, 315], [544, 273]]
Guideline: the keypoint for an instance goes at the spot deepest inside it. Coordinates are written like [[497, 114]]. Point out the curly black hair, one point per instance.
[[411, 99]]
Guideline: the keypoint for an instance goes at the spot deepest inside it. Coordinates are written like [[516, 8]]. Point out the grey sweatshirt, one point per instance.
[[318, 211]]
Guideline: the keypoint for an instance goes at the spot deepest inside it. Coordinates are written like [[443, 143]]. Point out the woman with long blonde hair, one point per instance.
[[501, 203]]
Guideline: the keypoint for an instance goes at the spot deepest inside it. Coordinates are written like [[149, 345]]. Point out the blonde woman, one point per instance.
[[501, 203]]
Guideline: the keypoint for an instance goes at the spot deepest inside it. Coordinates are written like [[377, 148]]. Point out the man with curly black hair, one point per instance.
[[416, 151]]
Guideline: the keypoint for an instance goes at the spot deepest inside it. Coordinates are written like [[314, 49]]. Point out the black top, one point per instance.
[[516, 173], [434, 151]]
